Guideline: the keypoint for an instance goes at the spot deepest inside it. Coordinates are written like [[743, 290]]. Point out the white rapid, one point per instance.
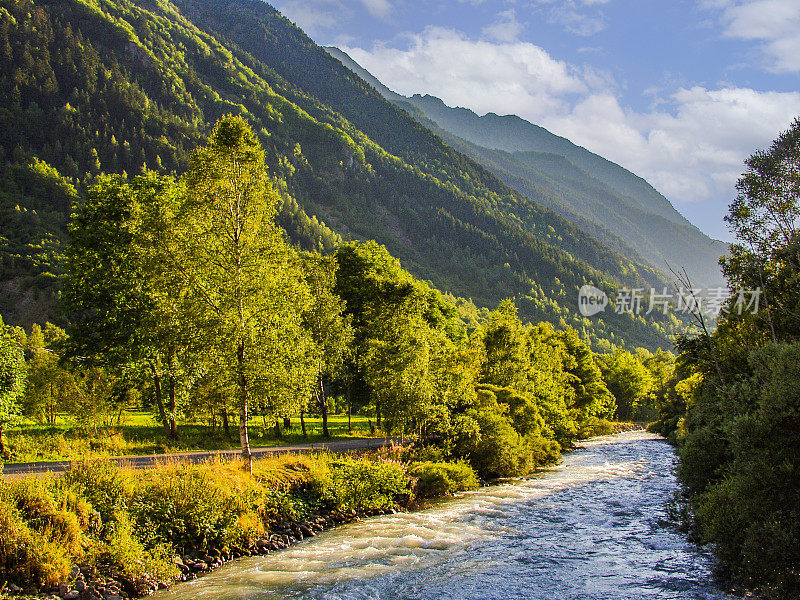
[[595, 527]]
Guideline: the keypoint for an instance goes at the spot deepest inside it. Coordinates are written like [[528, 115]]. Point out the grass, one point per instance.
[[139, 432], [129, 524]]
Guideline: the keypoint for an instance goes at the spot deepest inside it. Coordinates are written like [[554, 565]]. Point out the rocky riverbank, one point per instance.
[[629, 426], [86, 583]]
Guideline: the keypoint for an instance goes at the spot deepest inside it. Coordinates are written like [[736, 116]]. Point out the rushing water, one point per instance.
[[594, 528]]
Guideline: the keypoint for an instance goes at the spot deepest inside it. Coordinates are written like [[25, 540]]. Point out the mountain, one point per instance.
[[580, 185], [92, 86]]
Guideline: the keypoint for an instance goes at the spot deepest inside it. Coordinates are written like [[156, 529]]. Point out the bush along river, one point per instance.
[[595, 527]]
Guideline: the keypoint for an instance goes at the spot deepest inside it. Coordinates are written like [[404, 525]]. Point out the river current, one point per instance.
[[595, 527]]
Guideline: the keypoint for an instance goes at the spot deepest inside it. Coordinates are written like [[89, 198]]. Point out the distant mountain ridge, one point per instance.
[[582, 186]]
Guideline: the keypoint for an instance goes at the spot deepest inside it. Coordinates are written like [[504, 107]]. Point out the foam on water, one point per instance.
[[595, 527]]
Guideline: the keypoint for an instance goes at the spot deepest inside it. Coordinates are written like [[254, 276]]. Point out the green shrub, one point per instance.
[[436, 479], [28, 557], [542, 451], [185, 508], [125, 556], [249, 529], [37, 504], [702, 458], [498, 451], [595, 426], [106, 486], [427, 454], [361, 484]]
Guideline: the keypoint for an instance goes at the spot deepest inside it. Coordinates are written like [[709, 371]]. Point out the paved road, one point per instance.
[[141, 462]]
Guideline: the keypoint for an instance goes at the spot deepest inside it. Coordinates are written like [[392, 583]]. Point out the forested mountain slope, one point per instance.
[[114, 86], [580, 185]]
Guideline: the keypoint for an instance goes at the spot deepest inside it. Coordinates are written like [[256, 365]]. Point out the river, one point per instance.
[[593, 528]]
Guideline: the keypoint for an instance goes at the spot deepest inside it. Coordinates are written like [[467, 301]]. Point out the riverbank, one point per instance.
[[106, 532], [623, 427], [87, 582]]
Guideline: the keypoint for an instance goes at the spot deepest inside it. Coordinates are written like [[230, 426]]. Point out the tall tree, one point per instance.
[[329, 327], [506, 343], [241, 279], [12, 380], [366, 274], [51, 387], [592, 397], [765, 218], [124, 312], [397, 358], [629, 381]]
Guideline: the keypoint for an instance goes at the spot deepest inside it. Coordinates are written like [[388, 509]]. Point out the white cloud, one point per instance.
[[510, 77], [692, 148], [378, 8], [317, 17], [313, 16], [505, 28], [690, 145], [774, 23], [573, 16]]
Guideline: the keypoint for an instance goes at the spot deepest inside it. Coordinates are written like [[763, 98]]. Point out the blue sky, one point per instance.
[[678, 92]]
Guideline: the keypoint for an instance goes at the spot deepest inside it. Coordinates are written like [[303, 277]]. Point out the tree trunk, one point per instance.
[[278, 433], [49, 409], [349, 408], [173, 425], [378, 412], [2, 444], [244, 438], [162, 415], [323, 409], [226, 424], [303, 422]]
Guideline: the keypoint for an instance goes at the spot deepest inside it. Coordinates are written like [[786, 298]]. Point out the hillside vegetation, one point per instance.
[[91, 87], [601, 197]]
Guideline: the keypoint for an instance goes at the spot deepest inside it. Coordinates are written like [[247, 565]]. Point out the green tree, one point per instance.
[[592, 397], [366, 274], [765, 217], [505, 343], [51, 388], [397, 359], [628, 380], [735, 402], [13, 374], [329, 327], [120, 296], [550, 384], [244, 289]]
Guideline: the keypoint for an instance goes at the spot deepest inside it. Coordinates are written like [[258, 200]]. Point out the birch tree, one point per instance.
[[243, 284]]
